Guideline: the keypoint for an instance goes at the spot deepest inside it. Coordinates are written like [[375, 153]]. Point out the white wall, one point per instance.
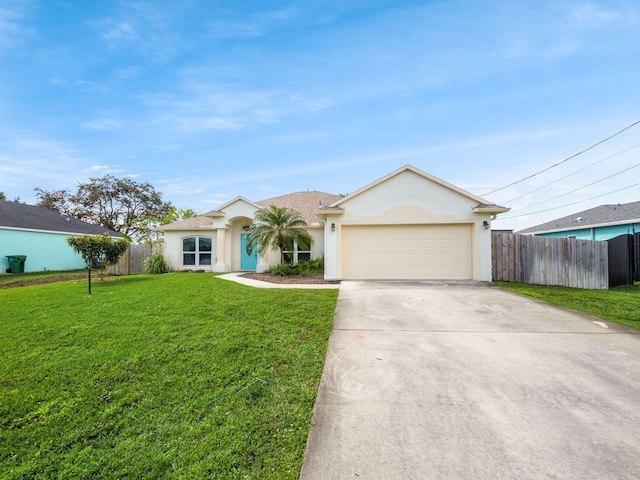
[[409, 198], [173, 248], [227, 257]]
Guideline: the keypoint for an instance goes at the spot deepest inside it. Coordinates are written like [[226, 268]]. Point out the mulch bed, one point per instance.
[[41, 281], [263, 277], [317, 278]]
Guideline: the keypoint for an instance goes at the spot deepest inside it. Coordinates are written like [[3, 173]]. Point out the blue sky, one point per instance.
[[208, 100]]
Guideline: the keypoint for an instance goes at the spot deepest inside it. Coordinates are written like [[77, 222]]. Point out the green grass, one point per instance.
[[26, 277], [620, 304], [180, 375]]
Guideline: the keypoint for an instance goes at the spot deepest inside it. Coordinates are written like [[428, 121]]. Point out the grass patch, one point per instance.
[[166, 376], [619, 304]]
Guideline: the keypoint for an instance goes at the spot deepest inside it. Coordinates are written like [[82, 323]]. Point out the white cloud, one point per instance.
[[102, 124], [212, 108], [254, 25], [13, 31], [169, 147], [29, 162], [89, 85], [198, 104], [300, 137], [127, 73], [141, 27], [119, 30], [196, 123], [594, 15]]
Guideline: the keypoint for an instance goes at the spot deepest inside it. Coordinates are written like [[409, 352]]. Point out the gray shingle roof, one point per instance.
[[31, 217], [194, 223], [306, 203], [604, 214]]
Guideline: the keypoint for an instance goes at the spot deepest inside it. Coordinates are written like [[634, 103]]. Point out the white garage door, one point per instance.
[[416, 252]]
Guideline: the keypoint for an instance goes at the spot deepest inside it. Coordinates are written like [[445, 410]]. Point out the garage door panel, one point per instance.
[[385, 252]]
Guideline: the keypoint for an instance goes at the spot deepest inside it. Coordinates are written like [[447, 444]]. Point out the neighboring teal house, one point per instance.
[[41, 234], [599, 223]]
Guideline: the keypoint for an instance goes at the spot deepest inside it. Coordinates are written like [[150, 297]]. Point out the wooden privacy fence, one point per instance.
[[549, 261], [132, 262]]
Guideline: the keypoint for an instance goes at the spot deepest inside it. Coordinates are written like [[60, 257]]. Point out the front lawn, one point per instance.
[[620, 304], [180, 375]]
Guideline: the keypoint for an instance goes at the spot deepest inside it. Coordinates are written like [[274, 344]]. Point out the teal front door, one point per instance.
[[248, 259]]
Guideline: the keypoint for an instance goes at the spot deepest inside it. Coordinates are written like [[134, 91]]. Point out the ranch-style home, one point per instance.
[[41, 235], [406, 225]]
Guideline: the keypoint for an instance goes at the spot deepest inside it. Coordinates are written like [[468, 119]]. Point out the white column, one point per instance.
[[221, 263], [263, 263], [332, 262]]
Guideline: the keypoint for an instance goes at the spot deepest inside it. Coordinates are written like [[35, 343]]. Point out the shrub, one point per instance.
[[306, 267], [315, 265], [281, 269], [155, 263]]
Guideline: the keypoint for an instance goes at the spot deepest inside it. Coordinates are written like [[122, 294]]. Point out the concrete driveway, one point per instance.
[[430, 381]]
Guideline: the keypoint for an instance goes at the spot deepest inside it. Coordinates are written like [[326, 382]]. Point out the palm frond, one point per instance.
[[277, 228]]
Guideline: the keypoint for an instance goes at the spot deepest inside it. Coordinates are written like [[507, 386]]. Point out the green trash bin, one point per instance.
[[16, 263]]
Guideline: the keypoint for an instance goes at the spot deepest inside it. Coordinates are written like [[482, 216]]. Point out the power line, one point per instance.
[[580, 188], [573, 203], [571, 174], [563, 161]]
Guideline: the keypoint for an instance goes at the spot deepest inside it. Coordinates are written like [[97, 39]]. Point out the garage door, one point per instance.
[[416, 252]]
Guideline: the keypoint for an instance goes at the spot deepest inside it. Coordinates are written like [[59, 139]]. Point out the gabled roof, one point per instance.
[[20, 216], [482, 207], [617, 214], [305, 203], [219, 212]]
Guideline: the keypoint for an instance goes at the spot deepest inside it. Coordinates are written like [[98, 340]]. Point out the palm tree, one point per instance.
[[278, 227]]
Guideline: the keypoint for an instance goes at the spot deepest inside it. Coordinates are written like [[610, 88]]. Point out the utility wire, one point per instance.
[[573, 203], [580, 188], [563, 161], [571, 174]]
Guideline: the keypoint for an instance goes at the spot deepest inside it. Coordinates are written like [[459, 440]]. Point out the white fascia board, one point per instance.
[[52, 231], [586, 227]]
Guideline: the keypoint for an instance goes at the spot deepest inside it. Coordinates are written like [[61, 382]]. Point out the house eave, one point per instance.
[[57, 232], [573, 228], [214, 214], [323, 213], [184, 229], [493, 209]]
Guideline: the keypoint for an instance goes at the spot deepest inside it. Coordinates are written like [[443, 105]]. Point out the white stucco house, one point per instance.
[[406, 225]]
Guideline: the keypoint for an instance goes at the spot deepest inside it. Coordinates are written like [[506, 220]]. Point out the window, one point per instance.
[[196, 251], [295, 255]]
